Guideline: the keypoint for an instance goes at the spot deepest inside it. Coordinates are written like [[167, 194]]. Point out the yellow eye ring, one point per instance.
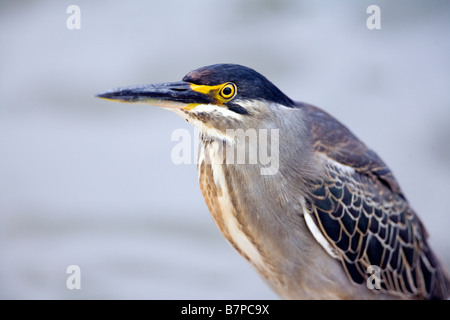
[[228, 90]]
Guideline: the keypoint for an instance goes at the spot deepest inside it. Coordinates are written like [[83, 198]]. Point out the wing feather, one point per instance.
[[361, 211]]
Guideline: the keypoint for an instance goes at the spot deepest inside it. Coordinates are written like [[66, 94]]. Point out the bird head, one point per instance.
[[213, 98]]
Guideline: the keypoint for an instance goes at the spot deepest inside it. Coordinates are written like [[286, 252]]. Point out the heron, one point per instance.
[[326, 218]]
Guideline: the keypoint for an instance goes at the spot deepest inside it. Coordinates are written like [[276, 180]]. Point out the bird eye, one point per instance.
[[228, 90]]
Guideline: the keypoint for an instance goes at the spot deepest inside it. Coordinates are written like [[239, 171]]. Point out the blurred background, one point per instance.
[[91, 183]]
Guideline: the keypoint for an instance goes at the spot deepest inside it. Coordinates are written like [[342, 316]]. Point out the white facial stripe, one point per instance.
[[213, 132], [210, 108]]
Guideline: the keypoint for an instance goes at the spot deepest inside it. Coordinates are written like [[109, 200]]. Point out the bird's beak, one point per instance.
[[176, 95]]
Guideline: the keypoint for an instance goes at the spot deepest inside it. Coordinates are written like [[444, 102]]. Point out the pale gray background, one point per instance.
[[90, 182]]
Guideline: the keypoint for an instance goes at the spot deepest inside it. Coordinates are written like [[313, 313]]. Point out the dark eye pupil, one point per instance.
[[227, 91]]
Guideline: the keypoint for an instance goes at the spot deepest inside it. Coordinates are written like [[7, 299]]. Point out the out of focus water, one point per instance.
[[91, 183]]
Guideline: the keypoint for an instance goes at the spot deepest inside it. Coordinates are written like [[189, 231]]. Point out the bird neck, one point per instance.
[[240, 199]]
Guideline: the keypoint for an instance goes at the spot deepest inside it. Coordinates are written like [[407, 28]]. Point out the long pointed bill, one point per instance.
[[168, 95]]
